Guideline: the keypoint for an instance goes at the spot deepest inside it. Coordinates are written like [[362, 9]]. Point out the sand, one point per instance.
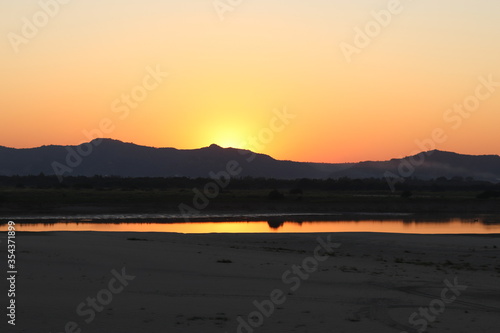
[[161, 282]]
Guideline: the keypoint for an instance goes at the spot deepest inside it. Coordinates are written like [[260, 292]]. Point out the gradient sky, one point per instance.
[[225, 77]]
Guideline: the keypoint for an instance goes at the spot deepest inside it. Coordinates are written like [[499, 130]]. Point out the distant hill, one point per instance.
[[108, 157], [429, 165], [116, 158]]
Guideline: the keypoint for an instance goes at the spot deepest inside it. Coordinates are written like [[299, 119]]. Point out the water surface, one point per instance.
[[450, 226]]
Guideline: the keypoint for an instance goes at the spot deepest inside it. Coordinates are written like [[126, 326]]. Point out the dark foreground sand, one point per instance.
[[203, 283]]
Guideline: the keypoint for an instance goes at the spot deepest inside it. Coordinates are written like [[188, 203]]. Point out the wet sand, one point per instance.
[[162, 282]]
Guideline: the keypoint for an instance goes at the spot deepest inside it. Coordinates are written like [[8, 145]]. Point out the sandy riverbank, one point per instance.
[[204, 283]]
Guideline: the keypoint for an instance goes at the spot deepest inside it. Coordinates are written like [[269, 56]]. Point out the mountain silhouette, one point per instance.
[[430, 165], [109, 157]]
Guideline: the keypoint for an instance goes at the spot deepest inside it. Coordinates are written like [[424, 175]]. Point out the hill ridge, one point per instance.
[[105, 156]]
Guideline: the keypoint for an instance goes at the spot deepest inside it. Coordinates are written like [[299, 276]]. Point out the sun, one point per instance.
[[229, 138], [229, 142]]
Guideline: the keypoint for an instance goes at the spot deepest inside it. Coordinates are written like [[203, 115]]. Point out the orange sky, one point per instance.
[[227, 78]]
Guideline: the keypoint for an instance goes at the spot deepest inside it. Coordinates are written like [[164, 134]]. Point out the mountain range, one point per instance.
[[109, 157]]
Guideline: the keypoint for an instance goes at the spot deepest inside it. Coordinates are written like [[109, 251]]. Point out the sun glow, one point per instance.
[[227, 141], [228, 137]]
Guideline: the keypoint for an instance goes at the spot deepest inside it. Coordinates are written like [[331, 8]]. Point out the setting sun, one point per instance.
[[229, 140], [226, 135]]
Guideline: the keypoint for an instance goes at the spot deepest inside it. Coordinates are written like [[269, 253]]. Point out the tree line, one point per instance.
[[295, 186]]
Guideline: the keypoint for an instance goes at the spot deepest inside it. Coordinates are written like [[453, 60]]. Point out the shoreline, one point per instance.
[[211, 282]]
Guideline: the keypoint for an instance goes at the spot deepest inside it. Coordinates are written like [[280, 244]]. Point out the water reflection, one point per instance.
[[481, 225], [277, 223]]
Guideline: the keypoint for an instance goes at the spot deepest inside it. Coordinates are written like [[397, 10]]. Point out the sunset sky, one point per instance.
[[231, 71]]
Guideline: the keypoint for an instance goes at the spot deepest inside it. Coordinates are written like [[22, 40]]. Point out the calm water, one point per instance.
[[451, 226]]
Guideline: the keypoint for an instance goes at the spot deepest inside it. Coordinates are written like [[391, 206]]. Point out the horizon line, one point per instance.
[[217, 145]]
